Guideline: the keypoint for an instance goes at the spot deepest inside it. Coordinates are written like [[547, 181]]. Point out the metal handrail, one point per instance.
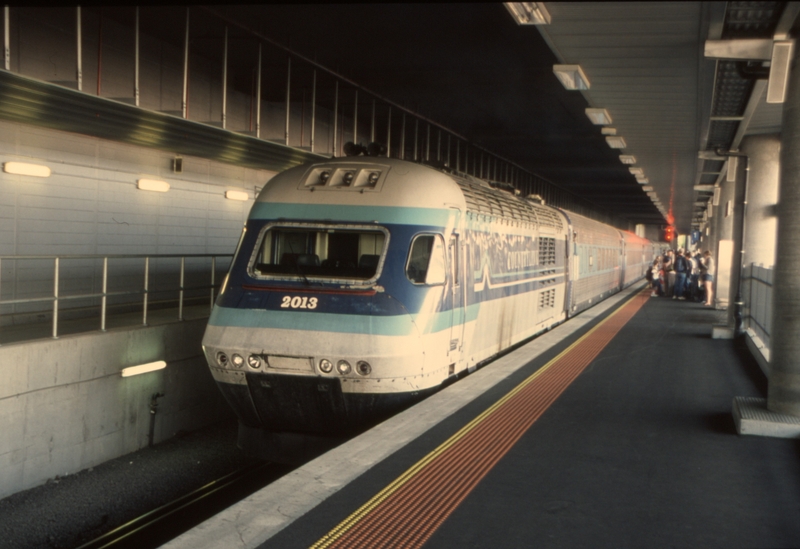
[[758, 309], [105, 294]]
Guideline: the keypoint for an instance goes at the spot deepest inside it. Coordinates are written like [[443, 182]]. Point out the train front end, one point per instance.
[[319, 327]]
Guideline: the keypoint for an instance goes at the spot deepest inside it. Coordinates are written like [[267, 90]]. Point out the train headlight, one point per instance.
[[324, 176], [363, 368], [254, 362], [222, 359], [237, 360], [348, 177], [325, 366], [373, 178], [343, 367]]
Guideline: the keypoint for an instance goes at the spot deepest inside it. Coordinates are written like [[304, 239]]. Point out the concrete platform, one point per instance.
[[266, 513], [638, 451]]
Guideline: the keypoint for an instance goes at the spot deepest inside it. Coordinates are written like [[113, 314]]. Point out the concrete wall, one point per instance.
[[90, 205], [64, 406]]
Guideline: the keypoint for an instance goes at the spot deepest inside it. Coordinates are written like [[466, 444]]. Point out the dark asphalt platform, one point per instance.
[[639, 451]]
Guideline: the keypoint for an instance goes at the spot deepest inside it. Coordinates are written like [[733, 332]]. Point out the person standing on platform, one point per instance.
[[655, 275], [681, 267], [694, 276], [668, 265], [707, 276]]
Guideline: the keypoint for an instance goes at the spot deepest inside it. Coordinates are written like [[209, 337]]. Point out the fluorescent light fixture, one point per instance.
[[23, 168], [571, 77], [143, 368], [627, 159], [733, 163], [153, 185], [635, 170], [528, 13], [237, 195], [616, 142], [643, 180], [778, 83], [599, 116], [647, 188], [608, 131]]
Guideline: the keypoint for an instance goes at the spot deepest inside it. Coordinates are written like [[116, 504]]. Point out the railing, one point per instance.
[[757, 291], [78, 276]]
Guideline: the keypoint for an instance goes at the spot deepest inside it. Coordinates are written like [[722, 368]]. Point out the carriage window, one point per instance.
[[426, 263], [324, 252]]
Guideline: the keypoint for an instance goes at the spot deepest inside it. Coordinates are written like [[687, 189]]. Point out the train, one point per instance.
[[362, 284]]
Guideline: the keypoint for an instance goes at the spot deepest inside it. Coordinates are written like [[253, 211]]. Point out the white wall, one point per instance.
[[91, 205]]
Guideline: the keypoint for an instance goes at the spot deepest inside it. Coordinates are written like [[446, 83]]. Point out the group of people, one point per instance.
[[683, 275]]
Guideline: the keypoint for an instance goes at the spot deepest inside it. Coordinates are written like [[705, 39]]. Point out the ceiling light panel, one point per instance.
[[571, 77], [528, 13], [616, 142], [600, 117], [627, 159]]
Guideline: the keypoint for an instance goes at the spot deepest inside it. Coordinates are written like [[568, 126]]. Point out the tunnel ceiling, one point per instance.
[[471, 68]]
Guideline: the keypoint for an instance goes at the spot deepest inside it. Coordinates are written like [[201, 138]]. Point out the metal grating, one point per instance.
[[708, 179], [547, 251], [732, 91], [547, 299], [721, 135], [752, 19]]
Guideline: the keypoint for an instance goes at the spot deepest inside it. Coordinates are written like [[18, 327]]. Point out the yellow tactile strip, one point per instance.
[[408, 511]]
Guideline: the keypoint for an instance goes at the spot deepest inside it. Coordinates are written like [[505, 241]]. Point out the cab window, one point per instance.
[[324, 252], [426, 263]]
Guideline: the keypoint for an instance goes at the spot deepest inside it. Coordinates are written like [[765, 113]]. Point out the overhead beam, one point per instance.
[[743, 49]]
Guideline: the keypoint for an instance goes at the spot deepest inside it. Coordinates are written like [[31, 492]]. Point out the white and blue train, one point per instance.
[[361, 284]]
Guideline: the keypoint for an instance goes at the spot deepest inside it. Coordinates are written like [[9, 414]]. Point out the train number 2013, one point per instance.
[[297, 302]]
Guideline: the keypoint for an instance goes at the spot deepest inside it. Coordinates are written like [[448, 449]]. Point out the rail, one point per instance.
[[104, 294], [757, 289]]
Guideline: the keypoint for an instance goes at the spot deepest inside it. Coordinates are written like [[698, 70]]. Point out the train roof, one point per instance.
[[380, 181], [364, 181]]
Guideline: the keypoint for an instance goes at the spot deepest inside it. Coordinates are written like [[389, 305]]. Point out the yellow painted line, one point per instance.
[[381, 496]]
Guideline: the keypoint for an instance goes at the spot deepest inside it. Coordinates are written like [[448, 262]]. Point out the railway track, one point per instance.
[[158, 526]]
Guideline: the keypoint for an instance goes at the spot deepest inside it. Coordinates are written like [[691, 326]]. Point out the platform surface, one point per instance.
[[640, 450]]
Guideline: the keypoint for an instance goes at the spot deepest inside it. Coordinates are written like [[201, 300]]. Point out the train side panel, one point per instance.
[[638, 257], [596, 262], [516, 282]]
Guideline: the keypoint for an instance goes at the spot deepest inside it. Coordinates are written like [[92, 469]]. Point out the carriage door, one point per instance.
[[457, 312]]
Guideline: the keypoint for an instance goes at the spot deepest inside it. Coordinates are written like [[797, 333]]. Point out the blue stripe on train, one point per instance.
[[351, 214], [398, 325]]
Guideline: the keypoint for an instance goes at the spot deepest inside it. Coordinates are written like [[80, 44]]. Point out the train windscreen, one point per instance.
[[323, 252]]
